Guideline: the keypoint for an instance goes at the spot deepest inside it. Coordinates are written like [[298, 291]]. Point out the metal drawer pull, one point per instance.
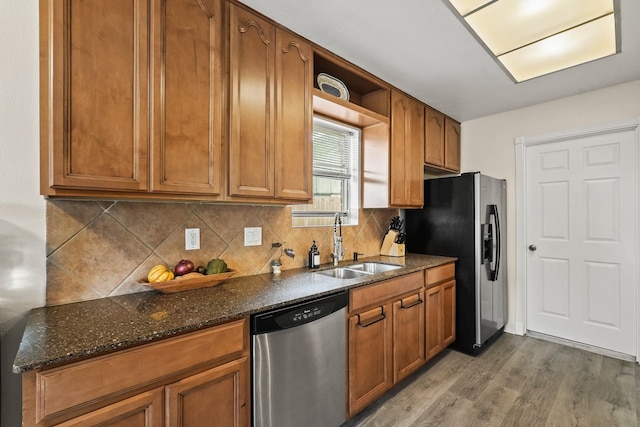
[[413, 304], [375, 319]]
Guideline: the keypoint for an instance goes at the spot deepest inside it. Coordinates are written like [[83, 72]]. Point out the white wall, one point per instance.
[[22, 209], [488, 143]]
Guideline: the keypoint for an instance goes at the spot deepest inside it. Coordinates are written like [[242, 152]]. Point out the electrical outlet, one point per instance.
[[191, 239], [253, 236]]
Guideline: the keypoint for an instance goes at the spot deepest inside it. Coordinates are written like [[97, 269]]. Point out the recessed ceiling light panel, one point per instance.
[[585, 43], [467, 6], [509, 24], [530, 38]]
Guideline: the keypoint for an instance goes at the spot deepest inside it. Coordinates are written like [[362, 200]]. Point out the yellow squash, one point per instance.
[[160, 273]]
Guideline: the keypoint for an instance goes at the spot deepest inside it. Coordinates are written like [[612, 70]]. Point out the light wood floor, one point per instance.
[[517, 381]]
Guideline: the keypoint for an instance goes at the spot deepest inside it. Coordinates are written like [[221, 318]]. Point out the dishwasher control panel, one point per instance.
[[307, 314], [298, 314]]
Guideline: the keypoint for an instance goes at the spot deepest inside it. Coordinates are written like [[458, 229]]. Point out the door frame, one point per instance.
[[521, 145]]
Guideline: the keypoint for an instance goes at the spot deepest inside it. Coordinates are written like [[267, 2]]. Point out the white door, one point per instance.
[[581, 233]]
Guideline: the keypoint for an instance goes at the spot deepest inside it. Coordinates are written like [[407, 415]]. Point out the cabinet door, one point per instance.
[[451, 145], [251, 133], [448, 313], [408, 335], [370, 369], [141, 410], [433, 307], [94, 83], [217, 397], [187, 86], [294, 115], [407, 146], [434, 138]]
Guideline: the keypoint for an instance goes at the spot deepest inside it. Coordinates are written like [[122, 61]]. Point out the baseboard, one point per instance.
[[581, 346], [514, 329]]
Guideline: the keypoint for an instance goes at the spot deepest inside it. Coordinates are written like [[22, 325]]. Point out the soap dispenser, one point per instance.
[[314, 256]]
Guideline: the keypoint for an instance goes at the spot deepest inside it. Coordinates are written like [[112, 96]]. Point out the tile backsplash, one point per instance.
[[103, 248]]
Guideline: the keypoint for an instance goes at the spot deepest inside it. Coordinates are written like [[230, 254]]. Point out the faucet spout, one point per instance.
[[337, 253]]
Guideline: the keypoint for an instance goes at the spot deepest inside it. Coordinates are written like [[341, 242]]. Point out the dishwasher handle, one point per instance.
[[373, 320]]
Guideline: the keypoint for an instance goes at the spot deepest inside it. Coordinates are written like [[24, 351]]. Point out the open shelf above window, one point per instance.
[[344, 111], [368, 102]]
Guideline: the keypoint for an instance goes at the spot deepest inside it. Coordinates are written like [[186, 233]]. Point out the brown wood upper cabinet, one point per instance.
[[406, 153], [131, 97], [94, 95], [451, 145], [442, 142], [187, 85], [270, 110]]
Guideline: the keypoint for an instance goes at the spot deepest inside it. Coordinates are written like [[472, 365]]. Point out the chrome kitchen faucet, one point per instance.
[[337, 254]]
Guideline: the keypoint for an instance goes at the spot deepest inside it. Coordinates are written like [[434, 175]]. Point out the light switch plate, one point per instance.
[[253, 236], [191, 239]]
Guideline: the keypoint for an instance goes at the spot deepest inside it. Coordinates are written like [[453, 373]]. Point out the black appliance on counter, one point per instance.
[[464, 217]]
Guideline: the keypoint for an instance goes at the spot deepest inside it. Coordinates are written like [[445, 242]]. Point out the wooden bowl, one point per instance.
[[186, 284]]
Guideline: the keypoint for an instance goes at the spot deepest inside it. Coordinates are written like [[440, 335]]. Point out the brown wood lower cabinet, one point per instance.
[[394, 327], [142, 410], [196, 379], [408, 335], [386, 326], [190, 401], [370, 345], [440, 307]]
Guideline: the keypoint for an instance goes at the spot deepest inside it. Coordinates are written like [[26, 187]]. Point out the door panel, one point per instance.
[[251, 77], [581, 276], [188, 88], [216, 397], [294, 74], [97, 95]]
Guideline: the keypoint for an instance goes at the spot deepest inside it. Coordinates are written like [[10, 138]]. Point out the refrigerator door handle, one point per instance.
[[493, 211]]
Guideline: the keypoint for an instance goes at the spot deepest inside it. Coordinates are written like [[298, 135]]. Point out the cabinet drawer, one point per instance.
[[383, 291], [439, 274], [88, 381]]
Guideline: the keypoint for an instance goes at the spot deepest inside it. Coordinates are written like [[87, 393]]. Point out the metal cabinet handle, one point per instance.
[[532, 248], [413, 304], [373, 320]]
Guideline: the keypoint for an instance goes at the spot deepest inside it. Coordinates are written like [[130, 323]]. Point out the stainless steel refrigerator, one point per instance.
[[464, 217]]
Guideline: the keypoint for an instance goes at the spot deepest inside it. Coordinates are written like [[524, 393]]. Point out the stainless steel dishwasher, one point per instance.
[[299, 364]]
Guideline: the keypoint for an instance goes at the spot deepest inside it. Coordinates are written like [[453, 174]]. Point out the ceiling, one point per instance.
[[422, 48]]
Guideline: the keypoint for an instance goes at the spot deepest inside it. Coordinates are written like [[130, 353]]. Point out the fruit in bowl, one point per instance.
[[160, 273], [183, 267]]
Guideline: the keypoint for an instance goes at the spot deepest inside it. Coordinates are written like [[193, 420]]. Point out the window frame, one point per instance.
[[351, 193]]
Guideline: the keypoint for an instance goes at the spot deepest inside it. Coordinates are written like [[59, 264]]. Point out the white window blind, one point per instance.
[[331, 152]]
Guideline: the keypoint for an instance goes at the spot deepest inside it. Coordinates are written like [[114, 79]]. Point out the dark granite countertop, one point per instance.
[[71, 332]]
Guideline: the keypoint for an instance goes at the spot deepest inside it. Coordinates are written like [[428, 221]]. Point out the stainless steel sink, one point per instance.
[[343, 273], [358, 270], [373, 267]]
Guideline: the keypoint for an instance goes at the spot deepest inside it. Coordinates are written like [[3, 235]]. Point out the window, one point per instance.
[[336, 171]]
